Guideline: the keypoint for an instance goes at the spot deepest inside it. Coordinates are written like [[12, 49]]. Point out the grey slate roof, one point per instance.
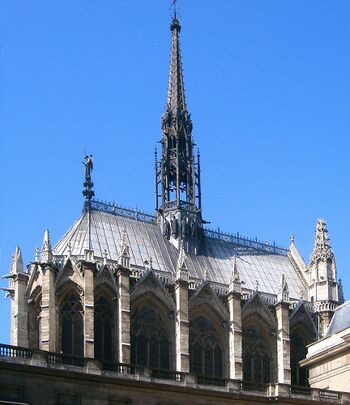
[[215, 261], [340, 320]]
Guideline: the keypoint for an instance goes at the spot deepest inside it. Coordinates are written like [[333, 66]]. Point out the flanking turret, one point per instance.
[[323, 285]]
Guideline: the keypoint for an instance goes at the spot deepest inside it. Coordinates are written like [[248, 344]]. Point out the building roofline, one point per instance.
[[139, 215]]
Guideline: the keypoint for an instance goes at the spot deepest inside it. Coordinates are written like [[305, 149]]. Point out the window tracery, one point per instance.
[[150, 345], [205, 349], [256, 357], [72, 331], [103, 330]]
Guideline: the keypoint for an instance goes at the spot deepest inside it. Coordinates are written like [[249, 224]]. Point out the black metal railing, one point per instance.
[[122, 211], [300, 390], [247, 242], [209, 380], [122, 368], [330, 395], [253, 386], [15, 351], [166, 374], [211, 233]]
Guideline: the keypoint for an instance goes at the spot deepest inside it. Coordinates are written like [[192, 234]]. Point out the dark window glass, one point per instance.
[[205, 350], [256, 357], [103, 330], [72, 330], [150, 346], [298, 352]]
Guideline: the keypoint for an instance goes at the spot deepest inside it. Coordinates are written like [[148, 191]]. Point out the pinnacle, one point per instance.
[[17, 261]]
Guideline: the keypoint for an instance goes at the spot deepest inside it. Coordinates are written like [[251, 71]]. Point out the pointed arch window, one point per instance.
[[72, 331], [256, 357], [298, 352], [150, 345], [206, 354], [103, 330]]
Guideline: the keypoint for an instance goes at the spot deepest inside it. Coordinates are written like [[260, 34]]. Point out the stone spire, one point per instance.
[[46, 250], [182, 267], [124, 251], [235, 281], [283, 293], [179, 201], [17, 262], [176, 102]]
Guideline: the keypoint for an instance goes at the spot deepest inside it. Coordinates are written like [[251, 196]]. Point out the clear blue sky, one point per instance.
[[267, 83]]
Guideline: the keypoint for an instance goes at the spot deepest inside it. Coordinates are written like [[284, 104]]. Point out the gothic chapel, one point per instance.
[[164, 291]]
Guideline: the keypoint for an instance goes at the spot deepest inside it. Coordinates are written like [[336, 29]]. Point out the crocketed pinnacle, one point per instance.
[[176, 93], [322, 248]]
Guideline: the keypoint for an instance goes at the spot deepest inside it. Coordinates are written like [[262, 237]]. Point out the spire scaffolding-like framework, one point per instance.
[[177, 174]]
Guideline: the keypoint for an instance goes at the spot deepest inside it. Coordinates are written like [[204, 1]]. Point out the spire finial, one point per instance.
[[88, 193], [174, 7]]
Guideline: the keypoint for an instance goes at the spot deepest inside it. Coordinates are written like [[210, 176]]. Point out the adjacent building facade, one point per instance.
[[167, 294]]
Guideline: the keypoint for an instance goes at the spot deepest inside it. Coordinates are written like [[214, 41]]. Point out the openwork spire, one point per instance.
[[177, 175]]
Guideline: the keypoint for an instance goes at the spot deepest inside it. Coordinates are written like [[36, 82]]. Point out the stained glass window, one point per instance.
[[205, 349], [72, 331], [150, 346], [256, 357], [103, 330]]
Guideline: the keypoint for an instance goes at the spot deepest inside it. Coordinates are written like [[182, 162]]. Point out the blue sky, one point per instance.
[[267, 83]]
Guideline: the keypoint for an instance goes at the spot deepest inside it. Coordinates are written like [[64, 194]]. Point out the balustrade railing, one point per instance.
[[15, 351], [122, 368], [8, 351]]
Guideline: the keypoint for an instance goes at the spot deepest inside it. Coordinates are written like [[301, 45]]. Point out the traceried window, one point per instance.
[[205, 349], [104, 330], [72, 331], [256, 357], [298, 352], [150, 346]]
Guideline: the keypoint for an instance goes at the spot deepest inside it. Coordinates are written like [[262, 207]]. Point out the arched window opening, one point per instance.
[[205, 349], [103, 330], [298, 352], [150, 346], [72, 331], [34, 318], [256, 357]]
